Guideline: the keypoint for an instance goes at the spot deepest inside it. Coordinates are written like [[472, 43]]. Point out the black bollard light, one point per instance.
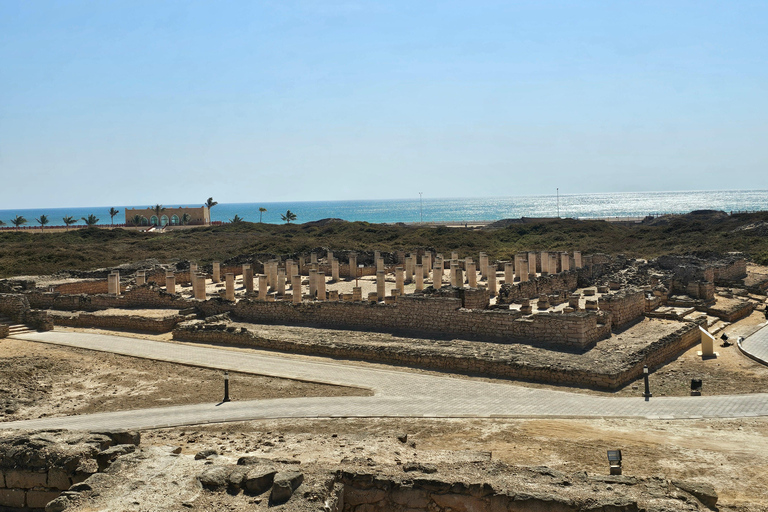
[[226, 387], [647, 393]]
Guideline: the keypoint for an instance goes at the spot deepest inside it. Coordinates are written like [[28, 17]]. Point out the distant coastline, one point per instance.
[[614, 206]]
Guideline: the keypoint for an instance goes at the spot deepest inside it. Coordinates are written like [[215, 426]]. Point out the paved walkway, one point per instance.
[[756, 345], [397, 393]]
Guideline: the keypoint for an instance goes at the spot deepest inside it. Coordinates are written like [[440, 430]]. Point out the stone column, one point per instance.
[[263, 287], [320, 283], [329, 257], [379, 263], [295, 269], [199, 286], [544, 263], [459, 277], [289, 269], [437, 275], [471, 275], [376, 256], [296, 288], [380, 285], [192, 270], [170, 282], [454, 274], [454, 256], [352, 265], [230, 286], [334, 270], [313, 257], [509, 271], [565, 261], [532, 263], [400, 280], [577, 259], [216, 272], [553, 257], [483, 260], [281, 282], [141, 277], [312, 283], [272, 276], [113, 283], [333, 295], [409, 266], [492, 280], [419, 277], [246, 272], [523, 275], [357, 294], [426, 263]]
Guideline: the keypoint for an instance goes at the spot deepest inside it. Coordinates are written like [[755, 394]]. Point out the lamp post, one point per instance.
[[226, 386], [558, 202], [647, 393], [421, 208]]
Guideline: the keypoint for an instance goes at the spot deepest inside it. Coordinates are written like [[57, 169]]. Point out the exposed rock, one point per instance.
[[284, 484], [204, 454], [259, 479], [215, 478], [703, 492], [418, 466]]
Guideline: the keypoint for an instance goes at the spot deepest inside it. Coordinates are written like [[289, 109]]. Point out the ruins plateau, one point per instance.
[[565, 318]]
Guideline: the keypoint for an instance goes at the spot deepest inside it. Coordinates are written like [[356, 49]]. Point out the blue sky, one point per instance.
[[133, 102]]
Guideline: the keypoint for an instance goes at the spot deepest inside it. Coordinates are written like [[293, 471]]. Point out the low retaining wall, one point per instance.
[[36, 468], [117, 322], [4, 331], [433, 358], [14, 306], [626, 306], [145, 296], [423, 315], [545, 285]]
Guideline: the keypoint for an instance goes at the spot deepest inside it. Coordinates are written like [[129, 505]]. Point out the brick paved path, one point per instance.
[[397, 393]]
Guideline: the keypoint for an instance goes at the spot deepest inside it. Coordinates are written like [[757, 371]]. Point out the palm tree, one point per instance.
[[69, 220], [43, 220], [261, 211], [210, 203], [136, 220], [112, 213], [158, 209], [91, 220], [236, 220], [18, 221], [2, 223], [185, 219], [288, 216]]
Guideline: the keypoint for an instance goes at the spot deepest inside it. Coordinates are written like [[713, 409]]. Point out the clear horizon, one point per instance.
[[130, 101]]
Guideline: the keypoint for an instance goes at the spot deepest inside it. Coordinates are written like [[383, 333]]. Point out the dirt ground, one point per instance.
[[39, 380]]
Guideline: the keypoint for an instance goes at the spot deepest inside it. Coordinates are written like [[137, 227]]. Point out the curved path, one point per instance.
[[397, 393]]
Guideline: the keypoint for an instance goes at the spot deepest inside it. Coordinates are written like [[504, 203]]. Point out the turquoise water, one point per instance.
[[451, 209]]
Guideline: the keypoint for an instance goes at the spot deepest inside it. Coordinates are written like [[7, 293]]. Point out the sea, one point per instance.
[[447, 210]]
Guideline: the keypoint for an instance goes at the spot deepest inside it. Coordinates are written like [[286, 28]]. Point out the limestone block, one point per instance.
[[39, 499], [13, 498], [58, 479], [25, 479]]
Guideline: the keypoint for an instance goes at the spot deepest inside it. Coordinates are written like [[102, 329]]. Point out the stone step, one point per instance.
[[18, 329]]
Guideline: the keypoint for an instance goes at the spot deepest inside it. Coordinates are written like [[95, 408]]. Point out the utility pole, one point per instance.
[[421, 208], [558, 202]]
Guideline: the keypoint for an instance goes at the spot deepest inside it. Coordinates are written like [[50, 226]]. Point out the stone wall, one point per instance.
[[625, 306], [423, 315], [4, 331], [545, 285], [117, 322], [36, 468], [654, 355], [91, 287], [727, 272], [145, 296], [14, 306]]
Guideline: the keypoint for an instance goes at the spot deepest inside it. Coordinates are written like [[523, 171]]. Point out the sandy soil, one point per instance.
[[39, 380]]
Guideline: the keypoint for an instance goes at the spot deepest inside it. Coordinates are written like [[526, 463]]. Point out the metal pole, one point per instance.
[[558, 202], [647, 393], [226, 387], [421, 208]]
